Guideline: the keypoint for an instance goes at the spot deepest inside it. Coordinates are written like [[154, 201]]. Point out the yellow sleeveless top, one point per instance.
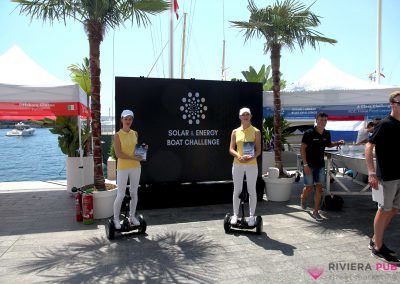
[[245, 135], [128, 144]]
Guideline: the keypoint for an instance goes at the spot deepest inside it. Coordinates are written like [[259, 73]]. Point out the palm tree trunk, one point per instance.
[[95, 34], [276, 78]]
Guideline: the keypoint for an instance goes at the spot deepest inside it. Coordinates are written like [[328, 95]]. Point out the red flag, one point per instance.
[[176, 7]]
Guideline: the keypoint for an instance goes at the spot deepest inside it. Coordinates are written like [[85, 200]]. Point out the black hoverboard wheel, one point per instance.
[[143, 224], [259, 226], [227, 223], [110, 229]]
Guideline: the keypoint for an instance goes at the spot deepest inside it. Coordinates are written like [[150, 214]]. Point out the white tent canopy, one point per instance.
[[326, 76], [29, 91], [326, 88], [17, 68]]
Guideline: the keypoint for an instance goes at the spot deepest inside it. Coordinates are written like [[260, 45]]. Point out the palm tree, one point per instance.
[[286, 23], [96, 16]]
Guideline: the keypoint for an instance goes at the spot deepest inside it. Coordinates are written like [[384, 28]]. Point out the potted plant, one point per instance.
[[276, 189]]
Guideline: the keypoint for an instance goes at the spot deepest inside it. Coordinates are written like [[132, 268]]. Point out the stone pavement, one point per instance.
[[41, 242]]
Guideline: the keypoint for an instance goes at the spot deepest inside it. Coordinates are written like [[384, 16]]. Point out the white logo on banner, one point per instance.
[[193, 108]]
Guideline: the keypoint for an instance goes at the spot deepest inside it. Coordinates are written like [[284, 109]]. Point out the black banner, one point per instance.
[[187, 124]]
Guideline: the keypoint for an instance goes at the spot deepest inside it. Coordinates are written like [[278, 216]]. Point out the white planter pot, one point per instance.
[[77, 177], [111, 169], [103, 203], [278, 189]]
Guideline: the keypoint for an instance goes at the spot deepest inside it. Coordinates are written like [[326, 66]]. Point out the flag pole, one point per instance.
[[171, 41], [183, 46]]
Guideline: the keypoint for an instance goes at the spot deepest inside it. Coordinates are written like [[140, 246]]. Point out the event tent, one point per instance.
[[29, 91], [342, 96]]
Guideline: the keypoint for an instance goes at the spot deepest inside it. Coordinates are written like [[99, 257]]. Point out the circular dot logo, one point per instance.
[[193, 108]]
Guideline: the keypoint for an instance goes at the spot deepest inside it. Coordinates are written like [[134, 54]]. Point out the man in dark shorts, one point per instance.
[[312, 152], [386, 140]]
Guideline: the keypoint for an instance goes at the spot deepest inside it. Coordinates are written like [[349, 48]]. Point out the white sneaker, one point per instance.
[[117, 224], [134, 221], [251, 221], [233, 220]]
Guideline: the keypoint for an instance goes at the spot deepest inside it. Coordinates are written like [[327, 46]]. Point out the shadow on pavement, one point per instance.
[[266, 242], [168, 257]]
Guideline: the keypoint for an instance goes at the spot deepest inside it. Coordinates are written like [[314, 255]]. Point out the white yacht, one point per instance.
[[21, 129]]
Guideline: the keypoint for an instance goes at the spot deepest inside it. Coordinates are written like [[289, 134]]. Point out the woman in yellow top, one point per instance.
[[245, 146], [128, 165]]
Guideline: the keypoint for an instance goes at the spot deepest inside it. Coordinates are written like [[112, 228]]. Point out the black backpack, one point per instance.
[[333, 203]]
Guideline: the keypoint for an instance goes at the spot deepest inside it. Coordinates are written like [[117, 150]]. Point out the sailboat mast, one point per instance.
[[378, 45], [223, 62], [183, 46]]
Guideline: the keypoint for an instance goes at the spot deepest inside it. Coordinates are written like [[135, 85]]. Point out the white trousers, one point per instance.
[[122, 181], [238, 172]]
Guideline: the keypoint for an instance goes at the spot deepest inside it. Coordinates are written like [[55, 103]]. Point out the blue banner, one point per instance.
[[369, 111]]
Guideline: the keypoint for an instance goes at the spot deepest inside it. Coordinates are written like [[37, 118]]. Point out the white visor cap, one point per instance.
[[244, 110], [126, 113]]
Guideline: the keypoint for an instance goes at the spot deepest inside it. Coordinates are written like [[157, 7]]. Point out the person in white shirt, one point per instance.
[[363, 134]]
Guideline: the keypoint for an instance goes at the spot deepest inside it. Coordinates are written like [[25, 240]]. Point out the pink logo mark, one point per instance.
[[315, 272]]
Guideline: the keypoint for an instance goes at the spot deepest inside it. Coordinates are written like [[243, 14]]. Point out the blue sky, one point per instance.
[[131, 51]]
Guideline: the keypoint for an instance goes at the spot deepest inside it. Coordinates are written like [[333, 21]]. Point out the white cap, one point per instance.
[[126, 113], [243, 110]]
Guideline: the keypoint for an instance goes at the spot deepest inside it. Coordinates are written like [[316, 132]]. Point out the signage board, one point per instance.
[[187, 124]]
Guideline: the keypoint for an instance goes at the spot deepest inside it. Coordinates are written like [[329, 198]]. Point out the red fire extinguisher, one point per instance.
[[78, 206], [87, 207]]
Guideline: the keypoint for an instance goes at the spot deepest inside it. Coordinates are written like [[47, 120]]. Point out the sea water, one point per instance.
[[31, 158]]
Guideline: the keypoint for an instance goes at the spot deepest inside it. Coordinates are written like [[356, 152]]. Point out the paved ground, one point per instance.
[[41, 242]]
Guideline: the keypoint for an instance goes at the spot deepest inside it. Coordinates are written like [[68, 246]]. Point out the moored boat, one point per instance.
[[21, 129]]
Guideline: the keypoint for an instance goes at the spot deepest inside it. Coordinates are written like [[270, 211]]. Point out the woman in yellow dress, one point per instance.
[[245, 146], [128, 166]]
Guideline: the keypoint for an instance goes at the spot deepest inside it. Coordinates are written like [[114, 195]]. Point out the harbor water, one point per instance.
[[31, 158]]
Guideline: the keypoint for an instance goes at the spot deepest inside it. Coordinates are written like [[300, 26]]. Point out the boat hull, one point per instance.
[[25, 132]]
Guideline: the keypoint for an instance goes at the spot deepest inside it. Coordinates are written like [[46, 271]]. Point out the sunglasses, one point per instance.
[[396, 102]]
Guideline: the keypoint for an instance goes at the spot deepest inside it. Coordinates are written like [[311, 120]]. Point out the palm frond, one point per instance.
[[139, 10], [48, 10], [287, 23], [80, 74], [107, 13]]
